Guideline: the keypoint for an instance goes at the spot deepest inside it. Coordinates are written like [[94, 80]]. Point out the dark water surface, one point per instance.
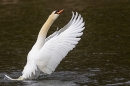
[[102, 57]]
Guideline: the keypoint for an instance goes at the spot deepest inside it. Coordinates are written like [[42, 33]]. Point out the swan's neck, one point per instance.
[[43, 32]]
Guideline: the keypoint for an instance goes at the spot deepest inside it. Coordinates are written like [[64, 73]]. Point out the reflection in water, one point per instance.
[[102, 56], [50, 83], [40, 83]]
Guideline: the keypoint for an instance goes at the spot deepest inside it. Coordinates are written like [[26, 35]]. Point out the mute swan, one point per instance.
[[47, 53]]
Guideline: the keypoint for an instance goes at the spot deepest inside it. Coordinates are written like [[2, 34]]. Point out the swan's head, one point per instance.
[[55, 14]]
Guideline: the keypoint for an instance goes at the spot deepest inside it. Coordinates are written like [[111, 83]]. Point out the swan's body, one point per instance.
[[47, 53]]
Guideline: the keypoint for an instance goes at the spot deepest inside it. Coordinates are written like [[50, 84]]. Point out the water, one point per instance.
[[100, 59]]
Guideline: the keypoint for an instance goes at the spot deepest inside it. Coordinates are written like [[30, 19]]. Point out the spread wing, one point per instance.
[[58, 46]]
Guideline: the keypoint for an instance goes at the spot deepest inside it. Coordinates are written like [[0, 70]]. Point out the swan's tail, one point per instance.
[[9, 78]]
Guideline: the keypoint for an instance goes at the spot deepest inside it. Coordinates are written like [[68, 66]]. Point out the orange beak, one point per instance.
[[60, 11]]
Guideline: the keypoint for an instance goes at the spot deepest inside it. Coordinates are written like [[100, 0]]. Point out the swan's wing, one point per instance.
[[55, 49]]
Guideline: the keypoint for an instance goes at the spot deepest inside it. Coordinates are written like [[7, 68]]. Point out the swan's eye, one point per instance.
[[58, 11]]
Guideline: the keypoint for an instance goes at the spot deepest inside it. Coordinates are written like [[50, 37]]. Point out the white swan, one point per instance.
[[47, 53]]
